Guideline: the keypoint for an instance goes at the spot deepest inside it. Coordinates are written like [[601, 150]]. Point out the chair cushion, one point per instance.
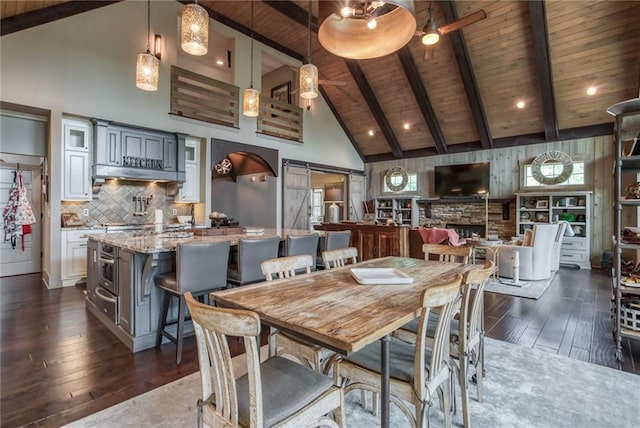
[[431, 326], [286, 388], [401, 355], [167, 281]]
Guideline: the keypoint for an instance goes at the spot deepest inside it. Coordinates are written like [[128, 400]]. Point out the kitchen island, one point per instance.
[[121, 268]]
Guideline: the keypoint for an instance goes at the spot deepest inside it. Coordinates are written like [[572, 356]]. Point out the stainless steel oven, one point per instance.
[[107, 299]]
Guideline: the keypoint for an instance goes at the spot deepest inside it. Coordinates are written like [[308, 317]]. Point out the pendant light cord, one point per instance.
[[148, 25], [251, 83], [309, 36]]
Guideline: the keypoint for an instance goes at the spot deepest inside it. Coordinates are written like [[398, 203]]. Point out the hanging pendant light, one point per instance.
[[194, 26], [147, 65], [431, 35], [366, 29], [251, 98], [309, 72]]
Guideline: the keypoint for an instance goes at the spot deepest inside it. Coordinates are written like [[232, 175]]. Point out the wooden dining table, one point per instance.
[[330, 308]]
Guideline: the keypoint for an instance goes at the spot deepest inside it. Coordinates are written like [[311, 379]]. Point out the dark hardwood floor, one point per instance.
[[60, 364]]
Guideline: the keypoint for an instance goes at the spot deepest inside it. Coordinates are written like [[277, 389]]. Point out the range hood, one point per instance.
[[129, 152]]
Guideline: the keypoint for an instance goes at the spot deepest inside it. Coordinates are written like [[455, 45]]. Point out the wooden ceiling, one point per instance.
[[464, 98]]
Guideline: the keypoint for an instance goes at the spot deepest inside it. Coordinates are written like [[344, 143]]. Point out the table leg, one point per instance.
[[385, 384]]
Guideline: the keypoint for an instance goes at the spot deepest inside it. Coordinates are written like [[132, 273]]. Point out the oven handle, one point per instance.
[[101, 294], [107, 261]]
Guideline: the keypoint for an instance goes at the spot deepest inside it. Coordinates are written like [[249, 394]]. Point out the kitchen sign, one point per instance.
[[137, 162]]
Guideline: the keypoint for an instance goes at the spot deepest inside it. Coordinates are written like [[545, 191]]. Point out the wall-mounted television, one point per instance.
[[462, 180]]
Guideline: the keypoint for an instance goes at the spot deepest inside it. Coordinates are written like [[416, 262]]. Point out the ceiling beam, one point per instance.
[[295, 12], [374, 106], [49, 14], [422, 98], [468, 78], [539, 31]]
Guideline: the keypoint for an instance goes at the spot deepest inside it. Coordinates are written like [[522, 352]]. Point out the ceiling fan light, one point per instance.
[[350, 37], [346, 12], [147, 70], [251, 102], [308, 81], [372, 23], [431, 36], [194, 37]]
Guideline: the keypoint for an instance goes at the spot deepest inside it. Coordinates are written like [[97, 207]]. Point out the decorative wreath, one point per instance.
[[552, 156], [394, 171], [223, 167]]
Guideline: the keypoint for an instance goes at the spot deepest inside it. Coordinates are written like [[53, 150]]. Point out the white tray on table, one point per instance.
[[380, 276]]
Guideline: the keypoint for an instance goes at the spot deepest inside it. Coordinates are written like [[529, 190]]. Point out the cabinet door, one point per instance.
[[111, 151], [154, 148], [170, 154], [77, 135], [388, 244], [367, 245], [75, 260], [190, 191], [125, 286], [77, 179], [92, 270], [132, 144]]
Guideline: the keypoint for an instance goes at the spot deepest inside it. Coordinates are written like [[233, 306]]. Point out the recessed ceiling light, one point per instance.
[[406, 125], [592, 90], [521, 104], [220, 62], [371, 133]]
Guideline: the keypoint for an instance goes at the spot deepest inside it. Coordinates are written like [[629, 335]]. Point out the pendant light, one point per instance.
[[147, 65], [194, 37], [251, 99], [309, 72], [431, 35]]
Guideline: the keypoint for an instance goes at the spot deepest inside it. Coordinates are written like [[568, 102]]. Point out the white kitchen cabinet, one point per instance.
[[73, 255], [76, 168], [190, 191]]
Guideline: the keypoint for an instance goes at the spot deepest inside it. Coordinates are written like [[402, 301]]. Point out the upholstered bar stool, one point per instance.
[[333, 241], [200, 268], [298, 245], [252, 252]]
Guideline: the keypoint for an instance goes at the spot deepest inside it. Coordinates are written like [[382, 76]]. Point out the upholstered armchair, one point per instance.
[[535, 254], [563, 229]]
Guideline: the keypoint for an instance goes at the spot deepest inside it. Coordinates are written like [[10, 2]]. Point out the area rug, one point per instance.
[[523, 388], [530, 290]]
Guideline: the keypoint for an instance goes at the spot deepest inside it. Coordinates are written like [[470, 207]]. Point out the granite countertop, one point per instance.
[[150, 243]]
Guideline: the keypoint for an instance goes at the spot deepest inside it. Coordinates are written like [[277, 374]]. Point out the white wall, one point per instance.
[[85, 65]]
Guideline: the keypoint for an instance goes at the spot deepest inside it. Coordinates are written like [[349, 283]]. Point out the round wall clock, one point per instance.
[[553, 156], [396, 179]]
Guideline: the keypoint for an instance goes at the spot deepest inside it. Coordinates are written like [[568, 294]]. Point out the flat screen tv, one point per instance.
[[462, 180]]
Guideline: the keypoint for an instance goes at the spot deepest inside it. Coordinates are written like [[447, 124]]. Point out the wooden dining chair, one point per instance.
[[340, 257], [447, 253], [286, 267], [277, 392], [467, 334], [417, 371]]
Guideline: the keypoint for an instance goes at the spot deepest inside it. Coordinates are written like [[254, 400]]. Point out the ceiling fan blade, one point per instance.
[[332, 82], [428, 52], [462, 22]]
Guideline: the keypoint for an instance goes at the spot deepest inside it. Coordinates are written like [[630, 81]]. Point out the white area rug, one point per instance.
[[523, 388], [531, 290]]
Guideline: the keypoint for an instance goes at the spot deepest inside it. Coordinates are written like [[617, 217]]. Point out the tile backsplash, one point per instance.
[[115, 204]]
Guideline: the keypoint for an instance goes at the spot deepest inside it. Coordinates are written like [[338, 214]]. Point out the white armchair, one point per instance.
[[535, 259], [563, 229]]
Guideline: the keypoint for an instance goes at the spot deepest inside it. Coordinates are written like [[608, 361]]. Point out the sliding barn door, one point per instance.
[[357, 192], [296, 200]]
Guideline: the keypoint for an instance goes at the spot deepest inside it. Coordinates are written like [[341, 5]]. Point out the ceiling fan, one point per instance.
[[430, 34]]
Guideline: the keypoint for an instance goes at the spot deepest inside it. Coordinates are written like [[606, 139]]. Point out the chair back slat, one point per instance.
[[285, 267], [473, 308], [339, 257], [447, 253]]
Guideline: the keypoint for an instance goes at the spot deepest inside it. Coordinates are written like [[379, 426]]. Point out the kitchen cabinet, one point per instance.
[[92, 269], [548, 207], [109, 152], [373, 241], [126, 281], [403, 210], [74, 256], [170, 147], [76, 166], [190, 191]]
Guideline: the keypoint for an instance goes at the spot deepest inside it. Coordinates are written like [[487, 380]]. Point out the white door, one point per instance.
[[16, 261], [357, 193], [296, 203]]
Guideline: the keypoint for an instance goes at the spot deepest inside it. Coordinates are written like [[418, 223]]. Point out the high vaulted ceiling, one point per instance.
[[463, 98]]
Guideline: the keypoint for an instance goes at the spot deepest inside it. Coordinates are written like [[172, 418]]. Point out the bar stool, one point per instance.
[[333, 241], [298, 245], [252, 252], [200, 268]]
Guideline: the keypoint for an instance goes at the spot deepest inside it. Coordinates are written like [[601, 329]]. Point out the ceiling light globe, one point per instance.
[[346, 12], [194, 36], [430, 39], [308, 81], [147, 70], [372, 24], [251, 102]]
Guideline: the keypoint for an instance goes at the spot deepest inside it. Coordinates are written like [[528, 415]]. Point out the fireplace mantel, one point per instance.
[[470, 200]]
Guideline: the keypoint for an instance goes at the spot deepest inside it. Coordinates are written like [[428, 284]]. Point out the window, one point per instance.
[[553, 169], [317, 203], [412, 183]]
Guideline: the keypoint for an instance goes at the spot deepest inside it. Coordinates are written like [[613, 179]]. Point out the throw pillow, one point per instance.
[[528, 238]]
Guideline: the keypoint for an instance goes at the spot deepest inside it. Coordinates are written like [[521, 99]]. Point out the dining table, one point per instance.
[[333, 309]]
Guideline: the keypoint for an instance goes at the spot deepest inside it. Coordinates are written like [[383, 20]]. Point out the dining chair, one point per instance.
[[275, 393], [303, 244], [340, 257], [332, 241], [252, 252], [447, 253], [467, 334], [417, 371], [200, 268]]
